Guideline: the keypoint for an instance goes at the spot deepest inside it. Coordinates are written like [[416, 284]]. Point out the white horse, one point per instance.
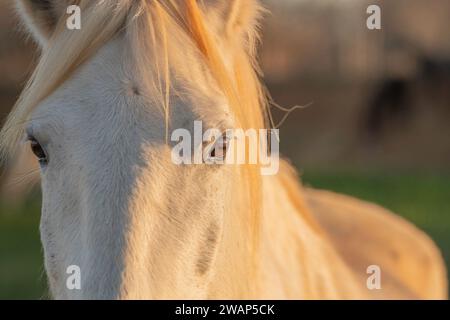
[[98, 112]]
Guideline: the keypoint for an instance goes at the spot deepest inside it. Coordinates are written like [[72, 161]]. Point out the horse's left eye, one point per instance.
[[38, 151], [219, 149]]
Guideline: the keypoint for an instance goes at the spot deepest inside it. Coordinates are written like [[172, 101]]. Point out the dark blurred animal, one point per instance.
[[393, 99]]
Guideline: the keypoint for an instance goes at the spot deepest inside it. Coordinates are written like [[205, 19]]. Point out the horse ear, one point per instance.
[[236, 17], [40, 17]]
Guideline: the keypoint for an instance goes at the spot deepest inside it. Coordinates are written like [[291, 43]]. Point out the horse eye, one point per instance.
[[38, 151], [220, 148]]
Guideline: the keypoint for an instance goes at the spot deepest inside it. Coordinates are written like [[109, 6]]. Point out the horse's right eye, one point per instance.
[[38, 151]]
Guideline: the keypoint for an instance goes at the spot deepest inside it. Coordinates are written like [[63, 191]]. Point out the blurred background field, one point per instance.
[[378, 127]]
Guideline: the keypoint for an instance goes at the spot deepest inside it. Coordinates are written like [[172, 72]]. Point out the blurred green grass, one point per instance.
[[21, 265], [423, 199]]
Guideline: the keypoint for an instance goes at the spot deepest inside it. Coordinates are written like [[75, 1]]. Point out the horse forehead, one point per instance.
[[105, 86], [100, 84]]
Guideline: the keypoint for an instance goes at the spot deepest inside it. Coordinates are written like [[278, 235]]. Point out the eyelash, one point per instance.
[[38, 151]]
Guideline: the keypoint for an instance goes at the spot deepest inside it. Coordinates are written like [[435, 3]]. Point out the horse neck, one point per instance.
[[295, 252]]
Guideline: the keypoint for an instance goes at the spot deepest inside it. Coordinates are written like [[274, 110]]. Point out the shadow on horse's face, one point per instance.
[[114, 204]]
